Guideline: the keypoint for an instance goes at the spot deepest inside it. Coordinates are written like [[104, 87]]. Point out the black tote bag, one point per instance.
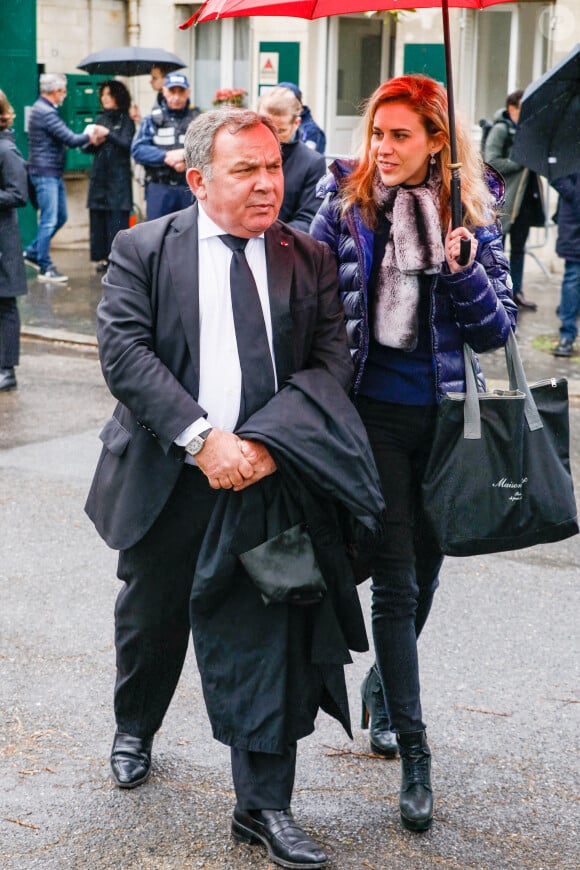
[[498, 477]]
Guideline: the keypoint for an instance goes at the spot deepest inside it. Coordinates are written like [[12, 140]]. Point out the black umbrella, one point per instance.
[[129, 60], [548, 136]]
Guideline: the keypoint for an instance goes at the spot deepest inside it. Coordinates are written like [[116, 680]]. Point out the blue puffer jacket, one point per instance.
[[48, 139], [473, 306]]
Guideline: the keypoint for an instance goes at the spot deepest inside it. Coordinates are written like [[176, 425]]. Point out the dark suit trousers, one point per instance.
[[152, 610], [152, 633], [263, 781]]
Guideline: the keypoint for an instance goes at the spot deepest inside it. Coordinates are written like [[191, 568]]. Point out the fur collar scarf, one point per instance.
[[414, 247]]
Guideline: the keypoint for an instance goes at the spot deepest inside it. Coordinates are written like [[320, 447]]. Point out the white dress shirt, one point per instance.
[[220, 375]]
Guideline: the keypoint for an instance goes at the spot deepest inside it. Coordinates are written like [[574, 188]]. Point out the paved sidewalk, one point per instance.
[[499, 670], [65, 314]]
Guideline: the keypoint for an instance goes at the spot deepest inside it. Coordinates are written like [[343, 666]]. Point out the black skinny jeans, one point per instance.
[[405, 573]]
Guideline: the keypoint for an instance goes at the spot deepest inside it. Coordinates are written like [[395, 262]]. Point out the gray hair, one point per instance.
[[50, 82], [201, 133], [280, 101]]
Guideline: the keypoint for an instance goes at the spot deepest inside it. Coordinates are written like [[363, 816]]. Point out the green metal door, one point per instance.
[[80, 108], [19, 80]]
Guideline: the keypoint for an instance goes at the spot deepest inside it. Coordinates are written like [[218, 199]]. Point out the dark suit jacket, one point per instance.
[[148, 332]]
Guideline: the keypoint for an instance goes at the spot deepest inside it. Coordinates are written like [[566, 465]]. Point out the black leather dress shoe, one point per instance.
[[130, 760], [7, 380], [287, 844]]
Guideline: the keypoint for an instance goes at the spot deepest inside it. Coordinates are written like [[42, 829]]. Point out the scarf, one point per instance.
[[414, 248]]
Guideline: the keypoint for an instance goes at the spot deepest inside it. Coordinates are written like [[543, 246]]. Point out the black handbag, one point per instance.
[[284, 568], [498, 476]]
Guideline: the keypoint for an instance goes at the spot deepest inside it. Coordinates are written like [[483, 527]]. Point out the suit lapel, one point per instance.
[[182, 257], [280, 265]]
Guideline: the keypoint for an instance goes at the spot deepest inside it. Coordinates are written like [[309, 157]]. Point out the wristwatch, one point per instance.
[[197, 442]]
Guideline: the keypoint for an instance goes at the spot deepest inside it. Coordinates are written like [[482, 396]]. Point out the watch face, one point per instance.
[[197, 442], [195, 445]]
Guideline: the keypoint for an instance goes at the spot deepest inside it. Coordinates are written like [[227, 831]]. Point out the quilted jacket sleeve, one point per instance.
[[480, 295]]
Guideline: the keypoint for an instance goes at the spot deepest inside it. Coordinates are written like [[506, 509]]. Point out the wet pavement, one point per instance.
[[67, 313], [63, 311]]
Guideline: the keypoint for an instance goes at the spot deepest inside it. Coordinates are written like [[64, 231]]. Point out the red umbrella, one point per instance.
[[311, 9]]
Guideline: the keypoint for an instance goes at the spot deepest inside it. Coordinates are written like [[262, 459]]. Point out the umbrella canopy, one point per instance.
[[312, 9], [129, 60], [548, 136]]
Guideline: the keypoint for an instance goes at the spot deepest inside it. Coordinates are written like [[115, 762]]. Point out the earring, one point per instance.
[[433, 161]]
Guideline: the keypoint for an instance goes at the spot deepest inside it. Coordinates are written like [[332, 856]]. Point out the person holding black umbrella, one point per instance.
[[110, 196], [410, 307]]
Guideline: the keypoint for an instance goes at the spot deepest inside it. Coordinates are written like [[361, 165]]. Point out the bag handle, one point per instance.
[[517, 381]]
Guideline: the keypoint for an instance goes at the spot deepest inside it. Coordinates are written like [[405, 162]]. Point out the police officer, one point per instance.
[[158, 146]]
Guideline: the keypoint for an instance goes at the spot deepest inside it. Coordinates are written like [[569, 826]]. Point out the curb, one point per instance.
[[59, 336]]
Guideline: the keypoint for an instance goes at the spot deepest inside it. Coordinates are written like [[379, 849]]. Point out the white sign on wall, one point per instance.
[[269, 64]]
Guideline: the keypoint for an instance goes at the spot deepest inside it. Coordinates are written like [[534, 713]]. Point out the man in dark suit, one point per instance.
[[172, 355]]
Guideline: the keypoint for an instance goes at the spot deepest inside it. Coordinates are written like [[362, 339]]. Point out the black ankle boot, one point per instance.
[[7, 379], [416, 797], [382, 740]]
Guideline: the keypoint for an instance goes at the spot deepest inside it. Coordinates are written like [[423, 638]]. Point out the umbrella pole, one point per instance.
[[454, 166]]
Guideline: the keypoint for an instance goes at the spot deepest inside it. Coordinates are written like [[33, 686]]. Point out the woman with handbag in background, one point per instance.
[[410, 307], [110, 196]]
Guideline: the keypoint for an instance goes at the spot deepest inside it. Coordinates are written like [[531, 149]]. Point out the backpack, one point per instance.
[[486, 126]]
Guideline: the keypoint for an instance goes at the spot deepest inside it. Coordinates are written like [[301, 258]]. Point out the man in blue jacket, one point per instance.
[[48, 139]]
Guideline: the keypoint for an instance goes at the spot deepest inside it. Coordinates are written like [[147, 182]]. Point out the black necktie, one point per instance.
[[258, 383]]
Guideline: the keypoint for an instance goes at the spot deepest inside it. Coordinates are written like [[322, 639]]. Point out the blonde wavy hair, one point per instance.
[[428, 99]]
